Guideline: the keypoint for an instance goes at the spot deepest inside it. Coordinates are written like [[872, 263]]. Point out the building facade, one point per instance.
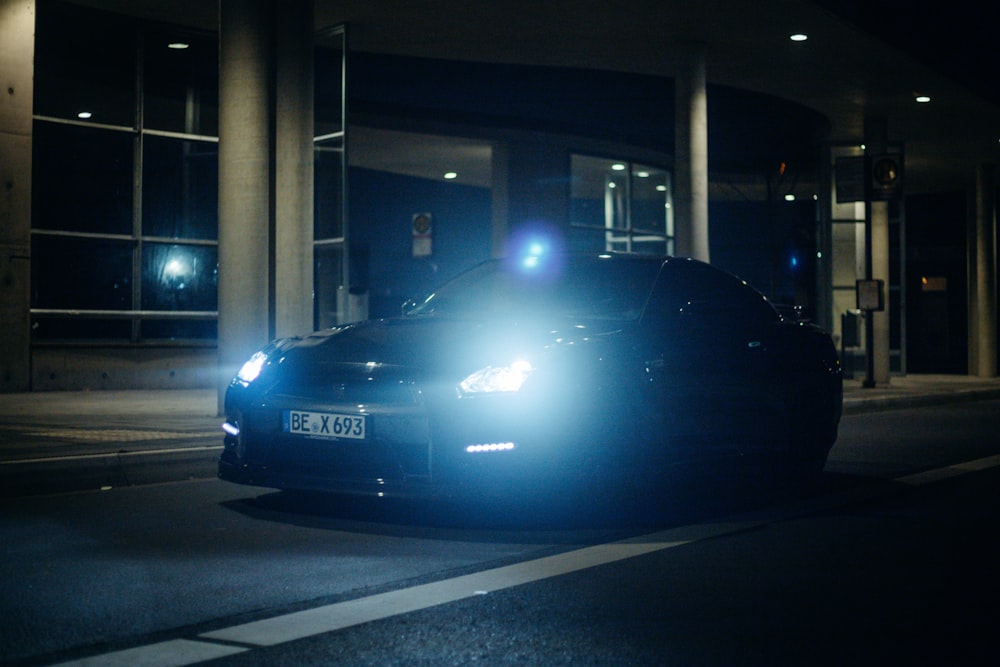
[[175, 197]]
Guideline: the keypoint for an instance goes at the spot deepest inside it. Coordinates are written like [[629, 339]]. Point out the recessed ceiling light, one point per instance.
[[618, 167], [178, 45], [923, 99], [84, 115], [451, 175], [789, 197], [798, 37]]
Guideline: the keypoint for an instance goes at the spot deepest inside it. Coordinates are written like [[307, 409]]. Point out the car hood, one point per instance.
[[440, 346]]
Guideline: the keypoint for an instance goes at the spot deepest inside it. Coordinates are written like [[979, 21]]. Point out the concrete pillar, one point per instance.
[[880, 271], [691, 161], [293, 228], [265, 176], [245, 202], [17, 52], [876, 142], [983, 277]]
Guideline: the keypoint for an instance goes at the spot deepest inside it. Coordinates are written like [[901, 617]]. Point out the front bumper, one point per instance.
[[429, 448]]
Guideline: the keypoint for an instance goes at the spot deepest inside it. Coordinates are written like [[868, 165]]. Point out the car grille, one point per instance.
[[351, 385], [399, 444]]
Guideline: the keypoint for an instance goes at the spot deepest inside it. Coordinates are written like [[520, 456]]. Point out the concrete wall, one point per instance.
[[95, 368], [17, 48]]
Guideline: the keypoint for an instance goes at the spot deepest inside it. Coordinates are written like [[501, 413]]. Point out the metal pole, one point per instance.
[[869, 381]]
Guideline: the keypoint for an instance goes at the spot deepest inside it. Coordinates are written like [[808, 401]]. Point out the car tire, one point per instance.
[[809, 438]]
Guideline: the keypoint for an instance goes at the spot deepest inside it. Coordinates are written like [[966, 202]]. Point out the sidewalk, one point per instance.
[[45, 425], [915, 390], [56, 442]]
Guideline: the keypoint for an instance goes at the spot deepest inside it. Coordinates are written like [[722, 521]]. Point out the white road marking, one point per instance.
[[298, 625], [328, 618], [947, 472], [173, 653]]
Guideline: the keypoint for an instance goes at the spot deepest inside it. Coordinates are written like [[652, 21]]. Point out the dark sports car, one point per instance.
[[541, 367]]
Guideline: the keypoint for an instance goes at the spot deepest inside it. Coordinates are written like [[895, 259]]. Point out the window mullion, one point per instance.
[[137, 190]]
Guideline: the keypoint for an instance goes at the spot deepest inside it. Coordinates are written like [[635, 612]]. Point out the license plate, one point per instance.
[[324, 424]]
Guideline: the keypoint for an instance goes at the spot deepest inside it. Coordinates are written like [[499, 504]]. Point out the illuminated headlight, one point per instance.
[[252, 368], [492, 380]]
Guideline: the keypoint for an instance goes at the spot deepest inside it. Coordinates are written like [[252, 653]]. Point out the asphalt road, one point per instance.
[[889, 559]]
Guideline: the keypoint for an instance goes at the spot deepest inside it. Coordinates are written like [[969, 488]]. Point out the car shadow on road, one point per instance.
[[598, 510]]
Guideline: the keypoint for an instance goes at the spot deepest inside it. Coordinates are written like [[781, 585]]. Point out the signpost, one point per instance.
[[869, 178]]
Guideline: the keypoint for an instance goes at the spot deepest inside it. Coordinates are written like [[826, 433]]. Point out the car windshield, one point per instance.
[[598, 287]]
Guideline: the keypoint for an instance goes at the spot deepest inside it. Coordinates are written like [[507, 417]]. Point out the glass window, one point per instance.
[[181, 82], [329, 83], [82, 179], [589, 190], [328, 212], [179, 277], [83, 273], [330, 174], [650, 206], [180, 188], [623, 204], [329, 276], [85, 62]]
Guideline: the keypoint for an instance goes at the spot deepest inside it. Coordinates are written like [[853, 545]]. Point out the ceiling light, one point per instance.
[[451, 175], [618, 167], [789, 197], [178, 45], [798, 37], [923, 99], [84, 115]]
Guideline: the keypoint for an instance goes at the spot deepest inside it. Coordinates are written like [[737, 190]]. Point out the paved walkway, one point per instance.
[[915, 390], [44, 424]]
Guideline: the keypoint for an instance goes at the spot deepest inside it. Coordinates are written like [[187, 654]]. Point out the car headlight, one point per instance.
[[252, 368], [497, 379]]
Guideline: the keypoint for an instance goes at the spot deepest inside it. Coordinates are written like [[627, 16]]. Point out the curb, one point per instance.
[[853, 406], [93, 472]]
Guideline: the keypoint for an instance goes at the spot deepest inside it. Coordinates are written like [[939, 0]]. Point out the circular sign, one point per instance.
[[421, 223]]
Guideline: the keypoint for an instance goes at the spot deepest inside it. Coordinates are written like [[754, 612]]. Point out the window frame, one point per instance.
[[137, 32]]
